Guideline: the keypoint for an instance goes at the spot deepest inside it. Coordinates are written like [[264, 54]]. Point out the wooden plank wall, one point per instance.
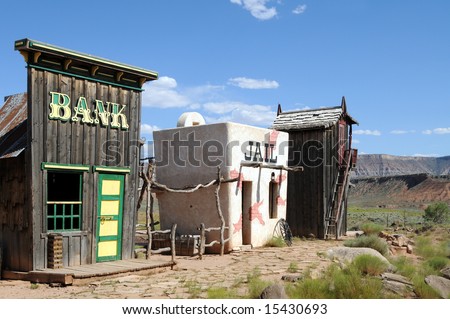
[[79, 143], [310, 192], [15, 232], [304, 199]]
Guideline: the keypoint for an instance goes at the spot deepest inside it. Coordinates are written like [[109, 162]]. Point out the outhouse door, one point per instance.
[[109, 217]]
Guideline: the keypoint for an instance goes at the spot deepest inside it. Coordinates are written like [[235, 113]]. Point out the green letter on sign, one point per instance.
[[116, 114], [60, 107], [82, 109], [101, 113]]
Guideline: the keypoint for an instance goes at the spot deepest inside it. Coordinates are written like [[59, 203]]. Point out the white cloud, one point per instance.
[[299, 9], [442, 130], [399, 132], [162, 93], [252, 114], [148, 129], [246, 83], [367, 132], [257, 8], [439, 130], [355, 141]]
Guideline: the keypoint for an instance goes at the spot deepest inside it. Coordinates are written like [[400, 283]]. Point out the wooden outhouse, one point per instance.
[[321, 142], [69, 156]]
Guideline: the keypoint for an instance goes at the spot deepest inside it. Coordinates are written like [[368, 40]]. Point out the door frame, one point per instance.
[[101, 177]]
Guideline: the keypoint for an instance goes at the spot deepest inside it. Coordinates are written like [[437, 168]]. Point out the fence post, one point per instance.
[[172, 243], [202, 241]]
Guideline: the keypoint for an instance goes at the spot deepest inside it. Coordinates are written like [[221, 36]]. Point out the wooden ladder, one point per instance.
[[333, 219]]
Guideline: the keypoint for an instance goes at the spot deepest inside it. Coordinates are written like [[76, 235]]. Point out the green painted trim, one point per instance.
[[85, 77], [119, 217], [32, 44], [65, 167], [112, 169]]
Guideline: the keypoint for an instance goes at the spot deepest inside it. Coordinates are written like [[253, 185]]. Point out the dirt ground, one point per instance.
[[191, 277]]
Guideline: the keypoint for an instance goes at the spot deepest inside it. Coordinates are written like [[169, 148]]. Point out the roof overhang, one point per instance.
[[63, 61]]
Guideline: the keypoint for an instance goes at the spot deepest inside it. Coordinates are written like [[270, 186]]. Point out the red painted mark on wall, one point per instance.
[[255, 213], [273, 136], [238, 226], [281, 201], [235, 174], [281, 178]]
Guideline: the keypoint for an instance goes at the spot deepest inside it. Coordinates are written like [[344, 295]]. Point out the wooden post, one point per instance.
[[172, 243], [202, 241], [0, 263], [150, 223], [219, 211]]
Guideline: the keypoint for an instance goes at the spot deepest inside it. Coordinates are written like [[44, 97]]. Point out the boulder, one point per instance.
[[346, 255], [440, 284], [446, 272], [275, 291]]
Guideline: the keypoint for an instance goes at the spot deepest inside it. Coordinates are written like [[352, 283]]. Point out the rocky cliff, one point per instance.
[[405, 191], [376, 165]]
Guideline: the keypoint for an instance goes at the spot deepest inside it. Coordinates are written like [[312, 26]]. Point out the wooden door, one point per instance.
[[109, 217]]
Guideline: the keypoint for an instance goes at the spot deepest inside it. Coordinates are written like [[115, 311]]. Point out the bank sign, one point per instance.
[[103, 113]]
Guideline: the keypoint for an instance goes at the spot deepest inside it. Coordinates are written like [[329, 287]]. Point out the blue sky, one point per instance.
[[235, 60]]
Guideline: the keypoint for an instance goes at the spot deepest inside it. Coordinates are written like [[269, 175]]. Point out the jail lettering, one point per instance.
[[256, 155]]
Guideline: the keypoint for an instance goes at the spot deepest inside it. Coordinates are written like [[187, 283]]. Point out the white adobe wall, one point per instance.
[[226, 144]]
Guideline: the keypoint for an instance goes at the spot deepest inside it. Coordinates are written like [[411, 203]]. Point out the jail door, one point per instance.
[[109, 217], [246, 207]]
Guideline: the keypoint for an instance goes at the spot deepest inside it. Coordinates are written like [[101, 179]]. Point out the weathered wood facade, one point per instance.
[[321, 143], [78, 172]]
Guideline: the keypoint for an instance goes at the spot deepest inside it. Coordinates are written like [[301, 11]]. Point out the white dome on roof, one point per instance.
[[190, 119]]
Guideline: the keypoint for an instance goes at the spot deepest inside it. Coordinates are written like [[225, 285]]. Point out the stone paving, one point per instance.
[[192, 277]]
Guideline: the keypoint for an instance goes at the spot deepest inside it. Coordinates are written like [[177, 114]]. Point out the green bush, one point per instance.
[[370, 265], [371, 241], [338, 283], [221, 293], [404, 266], [437, 262], [371, 228], [276, 242], [255, 284], [437, 213]]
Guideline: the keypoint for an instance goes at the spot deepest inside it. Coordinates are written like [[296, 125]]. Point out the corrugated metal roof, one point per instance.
[[13, 126], [307, 119]]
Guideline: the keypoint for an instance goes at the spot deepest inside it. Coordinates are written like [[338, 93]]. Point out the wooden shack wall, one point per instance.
[[305, 190], [310, 193], [79, 143], [15, 230]]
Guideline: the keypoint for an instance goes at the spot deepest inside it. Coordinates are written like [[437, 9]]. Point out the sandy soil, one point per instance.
[[191, 277]]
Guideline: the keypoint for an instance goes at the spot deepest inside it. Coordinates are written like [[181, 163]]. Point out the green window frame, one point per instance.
[[64, 202]]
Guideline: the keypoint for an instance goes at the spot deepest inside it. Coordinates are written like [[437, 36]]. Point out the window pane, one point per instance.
[[64, 201]]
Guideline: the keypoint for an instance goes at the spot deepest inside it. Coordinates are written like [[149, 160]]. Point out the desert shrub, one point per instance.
[[371, 228], [255, 284], [437, 213], [422, 290], [276, 242], [371, 241], [293, 267], [338, 283], [437, 262], [221, 293], [370, 265], [427, 249], [404, 266]]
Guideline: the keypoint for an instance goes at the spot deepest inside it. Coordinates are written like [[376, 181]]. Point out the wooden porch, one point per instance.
[[74, 275]]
